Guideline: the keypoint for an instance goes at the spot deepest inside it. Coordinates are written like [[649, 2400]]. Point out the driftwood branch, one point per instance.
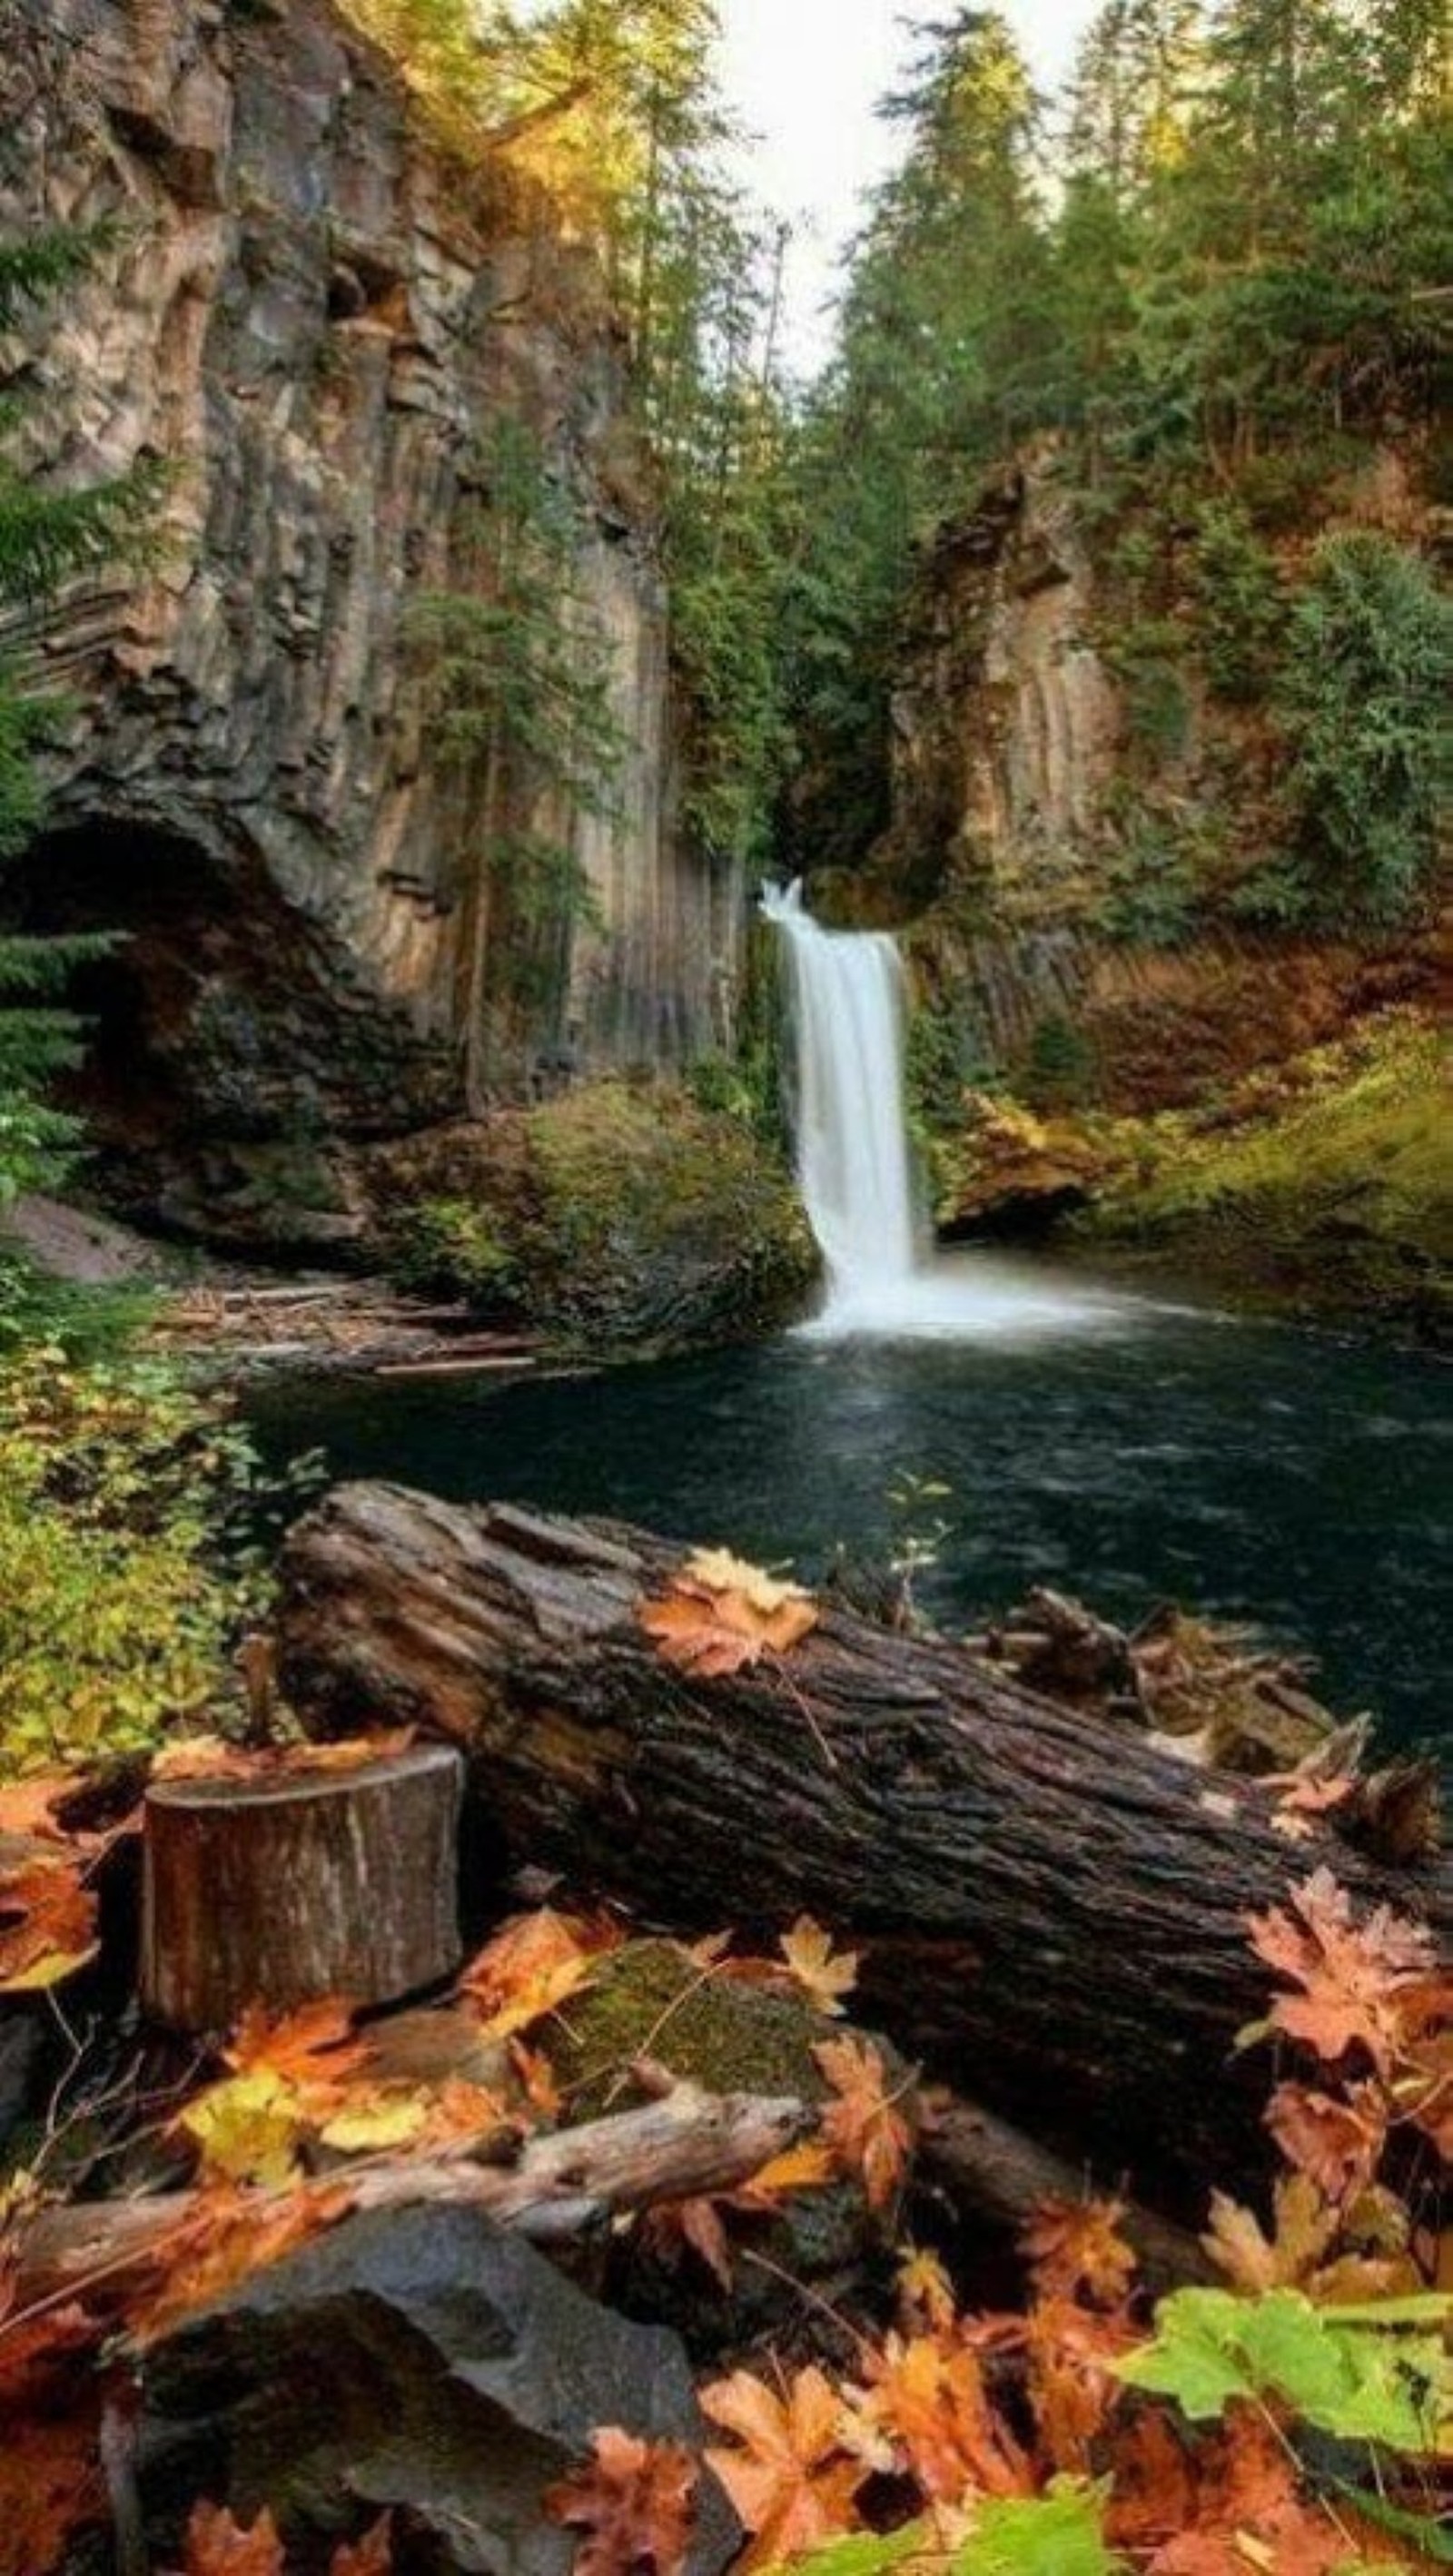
[[686, 2144], [1052, 1908]]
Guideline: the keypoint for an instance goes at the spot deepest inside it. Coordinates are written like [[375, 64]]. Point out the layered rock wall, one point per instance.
[[313, 316]]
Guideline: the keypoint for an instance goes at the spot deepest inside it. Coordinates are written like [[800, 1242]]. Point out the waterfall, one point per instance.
[[856, 1172], [852, 1138]]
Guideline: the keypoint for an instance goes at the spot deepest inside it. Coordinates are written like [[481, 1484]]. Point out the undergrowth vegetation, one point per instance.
[[125, 1499]]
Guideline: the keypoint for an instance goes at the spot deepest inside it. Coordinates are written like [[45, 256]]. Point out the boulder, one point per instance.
[[421, 2359]]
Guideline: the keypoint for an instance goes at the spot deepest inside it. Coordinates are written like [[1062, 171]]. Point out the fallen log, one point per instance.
[[998, 2179], [1053, 1909], [686, 2144]]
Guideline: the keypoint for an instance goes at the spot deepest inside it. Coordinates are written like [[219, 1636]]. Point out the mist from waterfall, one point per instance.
[[855, 1162]]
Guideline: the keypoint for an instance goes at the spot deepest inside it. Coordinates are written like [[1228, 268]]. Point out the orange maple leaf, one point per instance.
[[1336, 2142], [529, 1968], [1071, 2353], [635, 2507], [47, 1922], [218, 2546], [371, 2556], [27, 1807], [720, 1616], [1075, 2247], [223, 2234], [863, 2127], [1303, 2231], [675, 2227], [1250, 2513], [927, 2395], [789, 2478], [315, 2048], [1354, 1979]]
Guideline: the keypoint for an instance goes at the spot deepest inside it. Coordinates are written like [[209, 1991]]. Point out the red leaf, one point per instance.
[[634, 2507]]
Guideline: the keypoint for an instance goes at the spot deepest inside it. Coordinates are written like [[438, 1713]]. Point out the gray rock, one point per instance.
[[419, 2358]]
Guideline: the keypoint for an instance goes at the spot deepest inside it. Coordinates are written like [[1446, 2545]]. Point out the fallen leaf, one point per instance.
[[717, 1570], [927, 2395], [47, 1923], [371, 2556], [926, 2294], [315, 2047], [50, 2488], [1336, 2142], [807, 2167], [864, 2129], [1304, 2230], [1353, 1978], [721, 1616], [218, 2546], [1075, 2246], [221, 2237], [789, 2478], [675, 2227], [529, 1968], [248, 2130], [824, 1974], [635, 2507]]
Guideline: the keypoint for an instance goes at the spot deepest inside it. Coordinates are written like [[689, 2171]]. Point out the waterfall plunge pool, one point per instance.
[[1101, 1443]]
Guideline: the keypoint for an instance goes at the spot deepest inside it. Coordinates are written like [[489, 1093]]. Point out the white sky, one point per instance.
[[804, 75]]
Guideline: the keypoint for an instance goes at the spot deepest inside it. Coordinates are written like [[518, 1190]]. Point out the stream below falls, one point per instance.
[[1123, 1447]]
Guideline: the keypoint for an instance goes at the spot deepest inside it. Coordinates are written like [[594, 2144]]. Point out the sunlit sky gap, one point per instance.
[[805, 76]]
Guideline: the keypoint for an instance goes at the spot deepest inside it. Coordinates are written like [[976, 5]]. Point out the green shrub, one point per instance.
[[448, 1247], [122, 1573], [1240, 611], [1370, 653], [650, 1221]]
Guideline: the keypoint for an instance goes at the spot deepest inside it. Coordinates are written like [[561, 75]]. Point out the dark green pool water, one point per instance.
[[1114, 1447]]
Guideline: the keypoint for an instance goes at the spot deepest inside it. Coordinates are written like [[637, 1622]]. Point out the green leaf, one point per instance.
[[1059, 2534], [1360, 2374]]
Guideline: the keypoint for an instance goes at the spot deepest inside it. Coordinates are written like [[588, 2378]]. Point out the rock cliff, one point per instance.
[[1069, 845], [313, 315]]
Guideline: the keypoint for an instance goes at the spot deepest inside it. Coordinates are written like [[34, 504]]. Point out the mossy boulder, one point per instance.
[[1328, 1182], [655, 2001], [620, 1216]]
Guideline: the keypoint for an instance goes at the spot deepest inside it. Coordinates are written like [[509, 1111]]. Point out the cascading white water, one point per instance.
[[856, 1170], [852, 1138]]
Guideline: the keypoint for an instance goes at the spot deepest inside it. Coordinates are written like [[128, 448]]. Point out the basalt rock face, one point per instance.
[[316, 317], [1022, 777]]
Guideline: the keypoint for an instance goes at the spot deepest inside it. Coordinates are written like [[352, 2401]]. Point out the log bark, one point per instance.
[[998, 2179], [1053, 1910], [281, 1891], [688, 2143]]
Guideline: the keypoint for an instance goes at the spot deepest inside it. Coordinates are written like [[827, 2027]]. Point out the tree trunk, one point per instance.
[[1052, 1909], [284, 1890]]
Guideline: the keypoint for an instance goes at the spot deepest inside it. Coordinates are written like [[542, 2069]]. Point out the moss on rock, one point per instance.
[[619, 1216]]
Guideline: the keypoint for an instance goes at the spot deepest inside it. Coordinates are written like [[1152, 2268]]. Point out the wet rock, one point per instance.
[[422, 2359], [652, 2000]]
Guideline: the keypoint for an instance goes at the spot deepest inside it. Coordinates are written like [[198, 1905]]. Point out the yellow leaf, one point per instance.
[[716, 1570], [387, 2120], [825, 1974], [247, 2130]]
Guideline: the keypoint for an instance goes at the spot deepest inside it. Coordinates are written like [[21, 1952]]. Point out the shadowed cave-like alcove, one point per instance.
[[225, 1048]]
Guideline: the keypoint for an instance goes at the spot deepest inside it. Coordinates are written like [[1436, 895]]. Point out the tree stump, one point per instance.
[[279, 1892]]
